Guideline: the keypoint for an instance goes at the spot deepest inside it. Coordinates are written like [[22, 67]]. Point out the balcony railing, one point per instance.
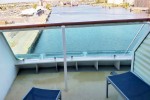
[[76, 26], [65, 40], [70, 24]]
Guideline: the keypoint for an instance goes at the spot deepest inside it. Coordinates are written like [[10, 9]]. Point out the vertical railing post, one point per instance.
[[65, 60]]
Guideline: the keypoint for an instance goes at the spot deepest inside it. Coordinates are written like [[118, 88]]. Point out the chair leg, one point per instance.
[[60, 97], [107, 83]]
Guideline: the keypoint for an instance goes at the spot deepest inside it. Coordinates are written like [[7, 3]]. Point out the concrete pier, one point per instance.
[[21, 41]]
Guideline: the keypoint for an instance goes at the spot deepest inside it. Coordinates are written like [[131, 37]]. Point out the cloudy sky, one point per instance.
[[11, 1]]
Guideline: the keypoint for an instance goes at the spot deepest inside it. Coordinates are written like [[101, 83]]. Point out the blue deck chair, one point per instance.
[[129, 86], [43, 94], [135, 85]]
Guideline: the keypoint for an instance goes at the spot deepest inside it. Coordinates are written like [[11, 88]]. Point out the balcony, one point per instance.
[[86, 51]]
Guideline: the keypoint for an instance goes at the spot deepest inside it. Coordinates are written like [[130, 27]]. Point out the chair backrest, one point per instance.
[[141, 62]]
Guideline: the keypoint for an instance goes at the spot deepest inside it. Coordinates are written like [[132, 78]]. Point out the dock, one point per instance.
[[21, 45]]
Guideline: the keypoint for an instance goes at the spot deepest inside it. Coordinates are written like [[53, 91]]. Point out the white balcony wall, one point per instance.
[[142, 60], [8, 70]]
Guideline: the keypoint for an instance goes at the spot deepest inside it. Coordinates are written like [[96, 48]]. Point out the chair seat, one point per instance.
[[42, 94], [130, 86]]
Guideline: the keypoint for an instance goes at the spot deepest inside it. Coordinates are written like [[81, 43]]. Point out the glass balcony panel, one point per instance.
[[103, 40], [35, 44], [81, 41]]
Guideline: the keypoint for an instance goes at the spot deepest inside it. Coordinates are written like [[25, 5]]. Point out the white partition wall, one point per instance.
[[8, 71], [141, 64]]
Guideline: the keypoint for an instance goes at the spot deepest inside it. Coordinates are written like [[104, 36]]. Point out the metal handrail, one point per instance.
[[49, 25], [134, 38]]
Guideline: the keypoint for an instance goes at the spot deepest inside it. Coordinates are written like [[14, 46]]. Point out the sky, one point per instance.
[[12, 1]]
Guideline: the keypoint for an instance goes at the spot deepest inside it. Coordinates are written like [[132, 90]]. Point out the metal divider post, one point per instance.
[[65, 56]]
